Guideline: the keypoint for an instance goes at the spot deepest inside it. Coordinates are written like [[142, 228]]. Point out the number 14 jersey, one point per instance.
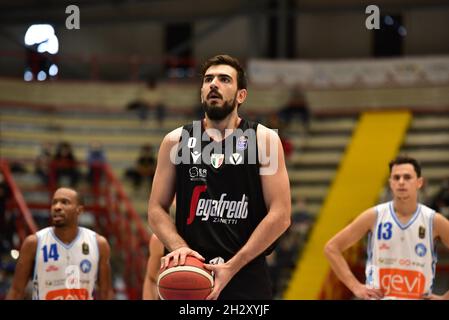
[[65, 271]]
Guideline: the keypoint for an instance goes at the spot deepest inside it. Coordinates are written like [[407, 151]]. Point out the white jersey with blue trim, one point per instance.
[[401, 257], [65, 271]]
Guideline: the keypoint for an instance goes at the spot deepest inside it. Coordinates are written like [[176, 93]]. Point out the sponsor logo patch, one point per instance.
[[420, 250], [242, 143], [85, 248], [67, 294], [402, 283], [216, 160], [236, 158], [85, 266], [422, 232], [51, 268]]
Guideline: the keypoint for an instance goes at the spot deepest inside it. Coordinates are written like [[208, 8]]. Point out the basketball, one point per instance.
[[190, 281]]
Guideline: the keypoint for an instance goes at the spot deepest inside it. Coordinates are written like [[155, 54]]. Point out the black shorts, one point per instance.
[[252, 282]]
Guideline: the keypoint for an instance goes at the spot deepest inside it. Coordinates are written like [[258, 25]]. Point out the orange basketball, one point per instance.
[[190, 281]]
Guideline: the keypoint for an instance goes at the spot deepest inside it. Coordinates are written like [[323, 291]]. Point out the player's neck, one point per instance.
[[225, 126], [66, 234], [405, 208]]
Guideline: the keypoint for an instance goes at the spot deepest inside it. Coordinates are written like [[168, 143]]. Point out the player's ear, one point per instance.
[[241, 95], [420, 182]]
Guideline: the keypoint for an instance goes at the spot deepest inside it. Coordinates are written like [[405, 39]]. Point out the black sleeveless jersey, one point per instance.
[[219, 198]]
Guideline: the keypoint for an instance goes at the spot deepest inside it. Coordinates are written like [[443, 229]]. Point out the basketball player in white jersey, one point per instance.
[[401, 259], [67, 261]]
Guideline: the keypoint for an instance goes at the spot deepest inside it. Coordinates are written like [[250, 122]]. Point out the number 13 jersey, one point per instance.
[[401, 257]]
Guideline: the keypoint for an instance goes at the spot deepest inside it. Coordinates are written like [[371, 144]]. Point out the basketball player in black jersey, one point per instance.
[[231, 185]]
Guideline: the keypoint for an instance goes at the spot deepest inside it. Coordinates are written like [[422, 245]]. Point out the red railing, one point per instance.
[[131, 235], [24, 223]]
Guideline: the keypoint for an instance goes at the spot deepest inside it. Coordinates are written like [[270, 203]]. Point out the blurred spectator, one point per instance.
[[284, 258], [302, 221], [441, 200], [7, 267], [161, 113], [17, 166], [144, 168], [96, 158], [274, 122], [282, 261], [296, 107], [64, 164], [149, 99], [42, 162], [287, 144]]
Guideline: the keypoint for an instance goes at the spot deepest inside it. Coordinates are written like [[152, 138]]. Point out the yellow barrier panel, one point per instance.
[[360, 178]]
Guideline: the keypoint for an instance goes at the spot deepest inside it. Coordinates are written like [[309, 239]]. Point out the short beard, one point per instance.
[[216, 113], [60, 224]]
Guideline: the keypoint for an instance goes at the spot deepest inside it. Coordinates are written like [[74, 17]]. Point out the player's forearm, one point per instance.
[[147, 293], [105, 294], [14, 294], [341, 267], [105, 291], [161, 224], [268, 231]]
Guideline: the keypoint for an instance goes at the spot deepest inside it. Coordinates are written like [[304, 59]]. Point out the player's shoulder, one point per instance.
[[173, 136], [87, 232], [31, 239], [101, 239], [266, 135], [383, 207], [371, 211], [427, 211], [103, 245], [266, 131], [43, 231], [440, 220], [368, 217], [30, 244], [175, 133]]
